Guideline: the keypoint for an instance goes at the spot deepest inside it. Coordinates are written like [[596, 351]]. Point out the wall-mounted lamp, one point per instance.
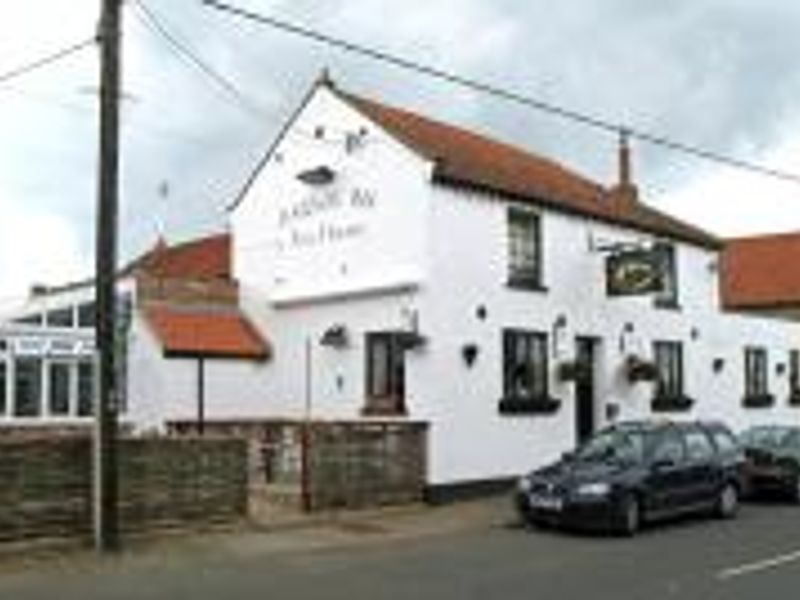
[[780, 368], [627, 330], [469, 352], [318, 176], [559, 324], [335, 336], [694, 333], [718, 364]]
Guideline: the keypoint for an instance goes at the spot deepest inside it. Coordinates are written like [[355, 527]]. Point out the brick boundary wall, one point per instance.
[[45, 485], [352, 464]]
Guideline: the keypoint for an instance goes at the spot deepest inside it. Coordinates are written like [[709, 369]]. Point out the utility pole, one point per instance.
[[106, 527]]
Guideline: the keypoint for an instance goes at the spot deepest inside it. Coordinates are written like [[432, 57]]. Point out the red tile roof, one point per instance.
[[761, 272], [186, 332], [202, 258], [464, 158]]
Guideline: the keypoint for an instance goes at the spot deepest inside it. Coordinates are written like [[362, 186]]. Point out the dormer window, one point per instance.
[[61, 317], [668, 296], [524, 249]]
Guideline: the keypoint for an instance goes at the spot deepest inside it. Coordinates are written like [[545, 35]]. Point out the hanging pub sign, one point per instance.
[[634, 272]]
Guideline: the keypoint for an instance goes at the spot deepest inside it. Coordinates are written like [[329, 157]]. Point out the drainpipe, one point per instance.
[[201, 394], [305, 440]]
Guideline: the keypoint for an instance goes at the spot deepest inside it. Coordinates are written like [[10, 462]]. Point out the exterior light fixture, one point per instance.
[[559, 324], [469, 352], [335, 336], [318, 176], [718, 364]]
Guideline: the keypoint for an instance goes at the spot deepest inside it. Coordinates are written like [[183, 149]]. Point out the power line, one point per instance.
[[47, 60], [493, 90], [157, 24]]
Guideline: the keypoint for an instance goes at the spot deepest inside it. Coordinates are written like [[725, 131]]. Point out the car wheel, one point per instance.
[[795, 491], [728, 501], [524, 516], [630, 516]]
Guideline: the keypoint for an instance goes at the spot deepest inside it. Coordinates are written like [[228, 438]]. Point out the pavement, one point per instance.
[[466, 550]]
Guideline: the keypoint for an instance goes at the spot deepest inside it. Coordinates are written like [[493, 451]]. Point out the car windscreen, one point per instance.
[[766, 437], [613, 445]]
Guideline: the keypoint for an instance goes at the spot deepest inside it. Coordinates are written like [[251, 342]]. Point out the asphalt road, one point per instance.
[[754, 556]]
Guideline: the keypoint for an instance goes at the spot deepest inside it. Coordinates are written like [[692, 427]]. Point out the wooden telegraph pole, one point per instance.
[[106, 529]]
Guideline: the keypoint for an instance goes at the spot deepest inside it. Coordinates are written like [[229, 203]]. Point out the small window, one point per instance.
[[669, 364], [61, 317], [698, 446], [524, 249], [86, 315], [525, 371], [756, 380], [34, 319], [60, 383], [86, 388], [3, 387], [385, 373], [669, 448], [794, 373], [27, 387], [668, 296]]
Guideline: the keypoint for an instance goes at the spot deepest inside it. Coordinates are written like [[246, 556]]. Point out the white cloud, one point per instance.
[[37, 246], [732, 202], [720, 75]]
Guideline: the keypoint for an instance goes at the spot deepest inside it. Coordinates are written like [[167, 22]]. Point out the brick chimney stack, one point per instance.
[[625, 191]]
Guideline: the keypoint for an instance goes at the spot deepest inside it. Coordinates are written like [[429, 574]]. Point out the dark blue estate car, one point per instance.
[[634, 472], [772, 454]]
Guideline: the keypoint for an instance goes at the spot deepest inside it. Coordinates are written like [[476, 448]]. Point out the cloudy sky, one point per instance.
[[720, 74]]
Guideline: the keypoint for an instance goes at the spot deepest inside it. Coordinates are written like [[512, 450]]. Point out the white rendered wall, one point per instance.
[[440, 254], [469, 269], [293, 241], [163, 389]]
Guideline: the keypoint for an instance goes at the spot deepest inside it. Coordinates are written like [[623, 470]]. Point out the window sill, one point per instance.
[[543, 405], [667, 306], [758, 401], [384, 407], [671, 403], [525, 285]]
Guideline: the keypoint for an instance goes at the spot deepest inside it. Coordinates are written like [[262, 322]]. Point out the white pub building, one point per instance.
[[384, 265]]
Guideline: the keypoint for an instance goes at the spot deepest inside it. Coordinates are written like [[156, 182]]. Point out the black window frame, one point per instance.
[[62, 317], [36, 319], [28, 407], [86, 315], [86, 388], [538, 373], [392, 392], [794, 377], [59, 407], [668, 359], [522, 275], [756, 377], [669, 296], [4, 372], [756, 371]]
